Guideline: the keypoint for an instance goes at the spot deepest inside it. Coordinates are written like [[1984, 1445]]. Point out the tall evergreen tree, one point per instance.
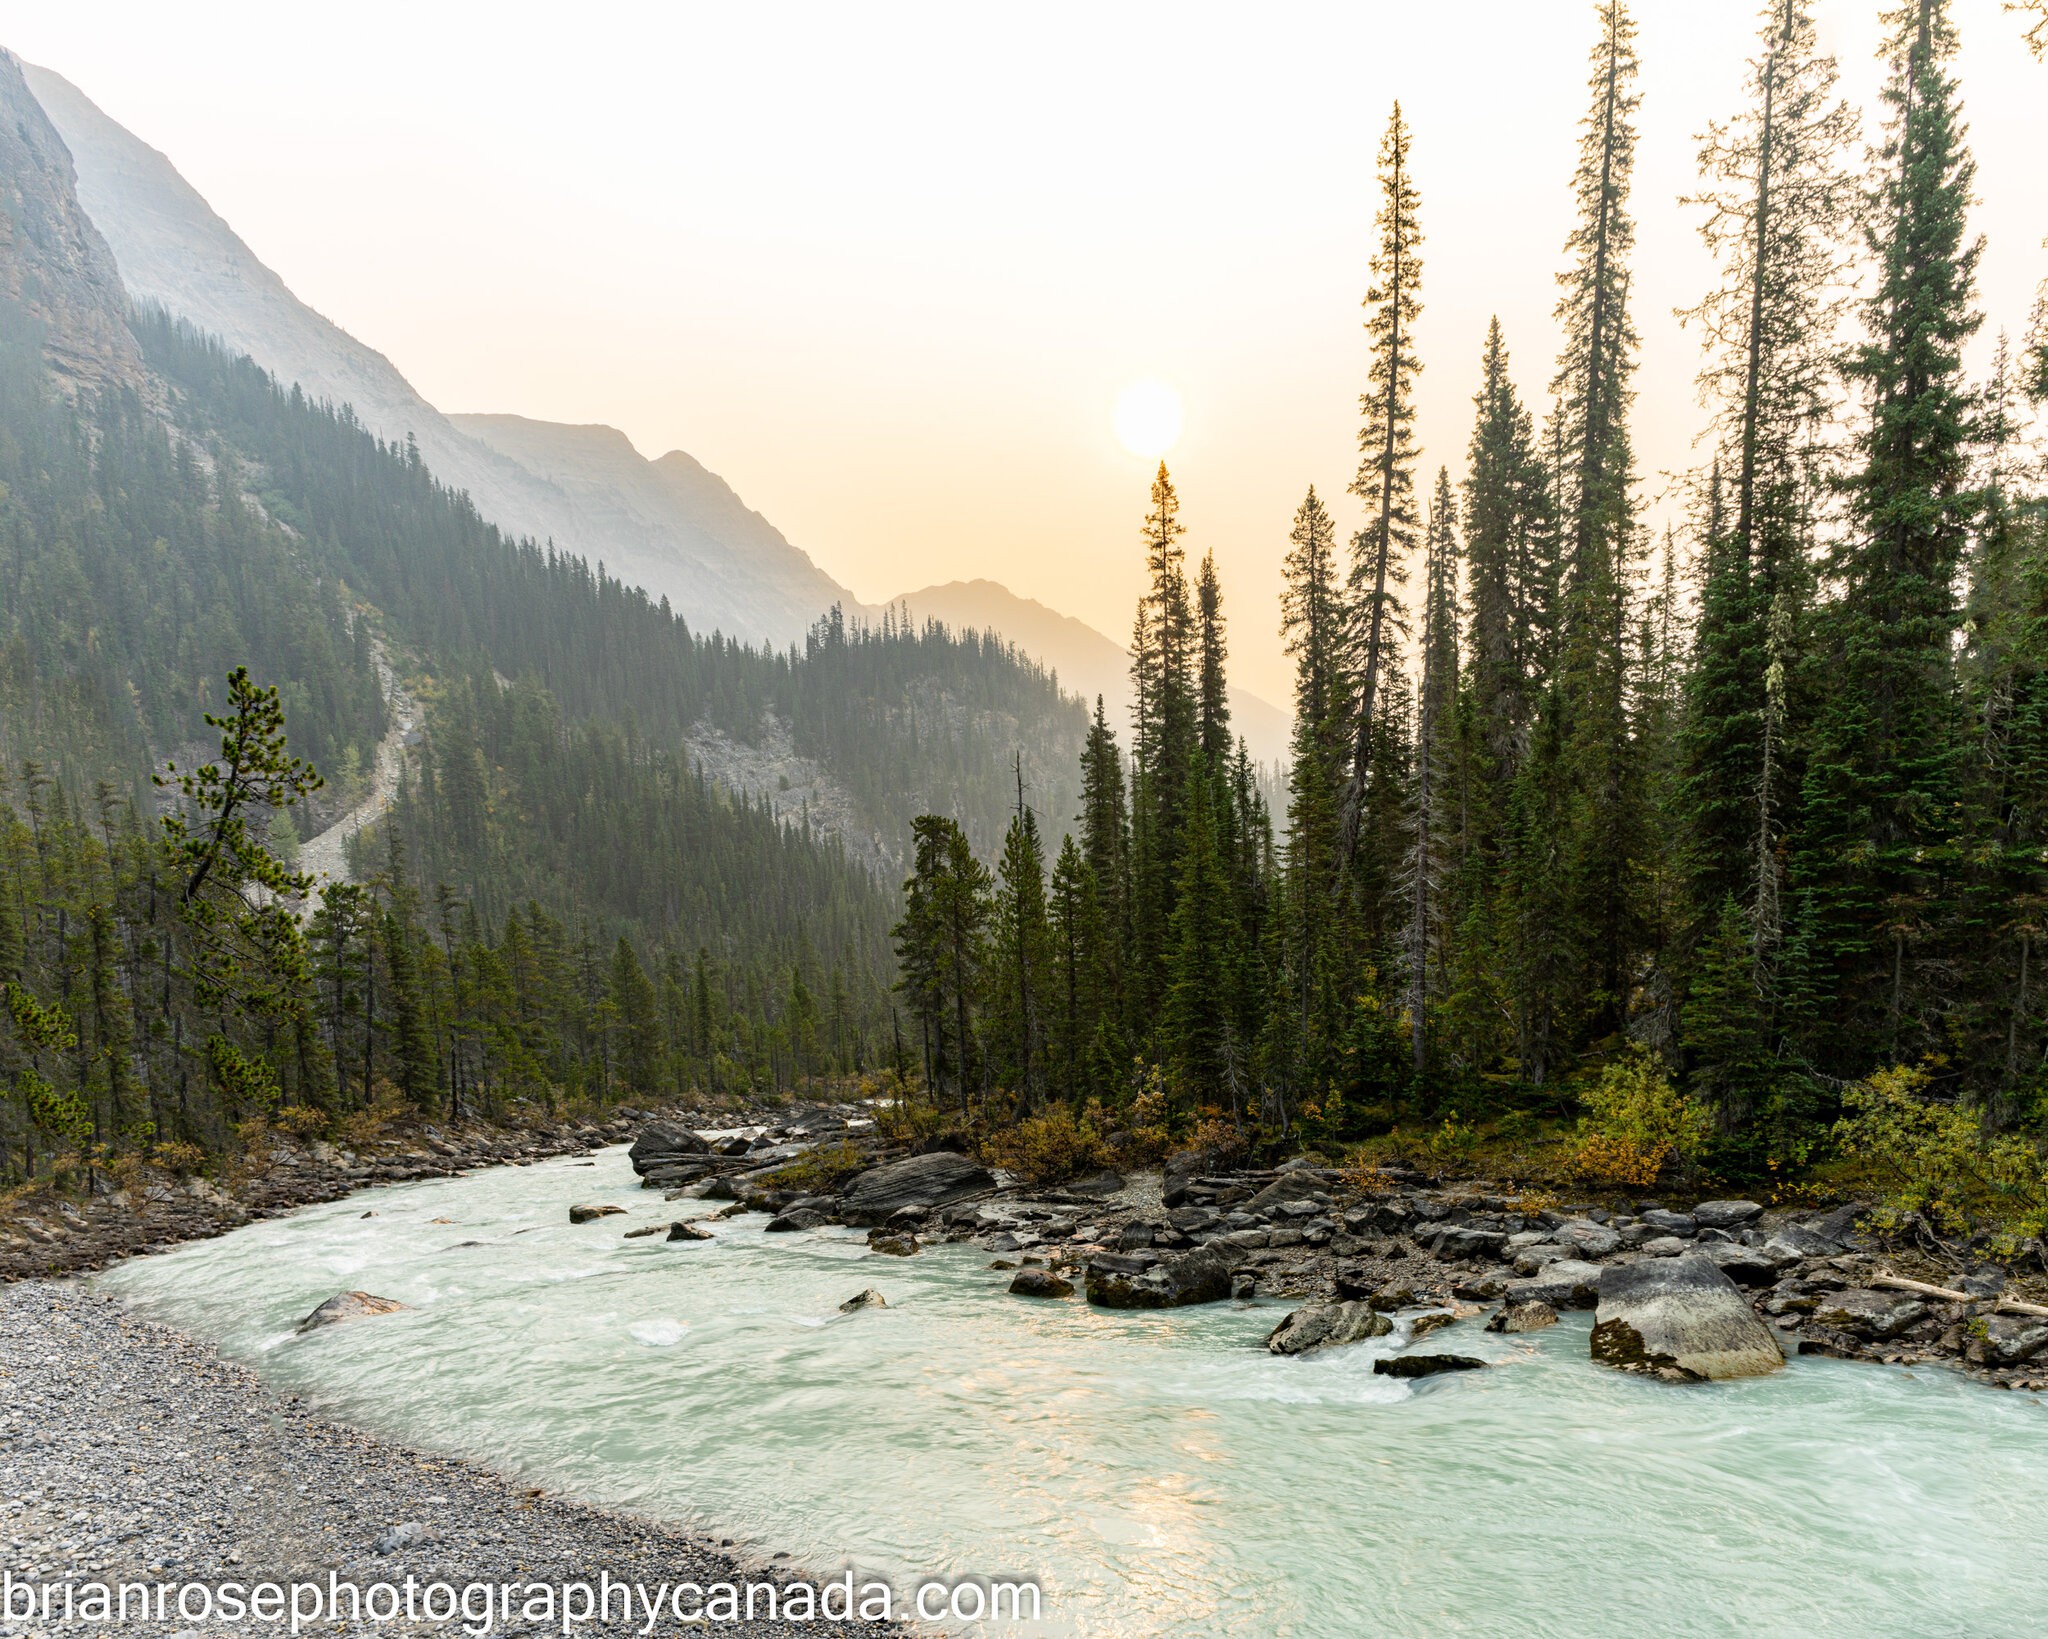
[[1386, 472], [1875, 865]]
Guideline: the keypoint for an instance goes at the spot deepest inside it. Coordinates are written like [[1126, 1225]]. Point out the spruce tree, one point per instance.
[[1875, 864], [1386, 472]]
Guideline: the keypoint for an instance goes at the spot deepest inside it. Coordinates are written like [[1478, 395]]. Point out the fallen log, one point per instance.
[[2010, 1306]]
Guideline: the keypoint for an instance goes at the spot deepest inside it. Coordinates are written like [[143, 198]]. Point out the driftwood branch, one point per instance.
[[2013, 1306]]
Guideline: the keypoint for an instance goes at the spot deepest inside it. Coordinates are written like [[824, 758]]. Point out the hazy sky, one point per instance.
[[886, 267]]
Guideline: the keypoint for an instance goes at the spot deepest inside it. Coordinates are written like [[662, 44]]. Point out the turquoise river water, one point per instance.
[[1157, 1474]]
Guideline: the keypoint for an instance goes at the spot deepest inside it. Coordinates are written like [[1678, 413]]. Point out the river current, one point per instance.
[[1156, 1474]]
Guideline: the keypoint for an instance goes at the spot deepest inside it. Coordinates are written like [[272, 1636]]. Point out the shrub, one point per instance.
[[1453, 1140], [1636, 1122], [174, 1155], [300, 1120], [823, 1168], [1938, 1160], [1048, 1148]]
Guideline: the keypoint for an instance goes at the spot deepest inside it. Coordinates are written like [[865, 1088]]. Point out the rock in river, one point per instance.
[[868, 1298], [893, 1246], [1522, 1317], [586, 1214], [688, 1232], [1041, 1283], [1325, 1325], [1682, 1319], [1425, 1365], [1564, 1283], [1868, 1314], [1143, 1280], [917, 1180], [662, 1145], [349, 1306]]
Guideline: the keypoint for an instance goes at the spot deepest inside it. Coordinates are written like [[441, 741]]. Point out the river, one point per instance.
[[1157, 1474]]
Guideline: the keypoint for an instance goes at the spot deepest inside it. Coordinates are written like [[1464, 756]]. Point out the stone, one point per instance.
[[1670, 1223], [1745, 1265], [1726, 1214], [1862, 1312], [1481, 1288], [349, 1306], [1563, 1284], [401, 1537], [1835, 1226], [1096, 1184], [1459, 1241], [638, 1234], [1531, 1259], [2013, 1338], [1986, 1282], [931, 1180], [1133, 1236], [1422, 1325], [688, 1232], [589, 1214], [1425, 1365], [1392, 1297], [1584, 1238], [868, 1298], [663, 1144], [1244, 1286], [1791, 1242], [1325, 1325], [893, 1246], [796, 1218], [1664, 1246], [1682, 1319], [1200, 1276], [1289, 1186], [1522, 1317], [1040, 1283]]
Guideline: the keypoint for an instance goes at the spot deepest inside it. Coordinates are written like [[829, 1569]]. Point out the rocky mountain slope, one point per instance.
[[1087, 662], [693, 541]]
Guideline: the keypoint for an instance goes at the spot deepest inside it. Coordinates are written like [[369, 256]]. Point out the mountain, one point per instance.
[[684, 536], [1087, 662]]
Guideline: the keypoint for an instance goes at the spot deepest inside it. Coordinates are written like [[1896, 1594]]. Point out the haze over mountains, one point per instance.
[[670, 524]]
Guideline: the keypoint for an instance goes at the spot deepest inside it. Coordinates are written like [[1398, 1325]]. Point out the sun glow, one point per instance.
[[1147, 417]]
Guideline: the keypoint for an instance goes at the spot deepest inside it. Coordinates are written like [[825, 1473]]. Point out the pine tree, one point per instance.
[[1875, 864], [1022, 956], [1386, 473], [1213, 727], [1164, 741], [1434, 753], [1777, 207]]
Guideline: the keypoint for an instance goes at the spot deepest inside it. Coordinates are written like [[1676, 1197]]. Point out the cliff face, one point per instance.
[[53, 263], [723, 567]]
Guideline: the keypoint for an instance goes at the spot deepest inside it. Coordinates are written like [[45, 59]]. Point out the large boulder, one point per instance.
[[1869, 1314], [1745, 1265], [917, 1180], [1670, 1223], [1566, 1283], [349, 1306], [1587, 1239], [1040, 1283], [590, 1214], [662, 1145], [1144, 1280], [1325, 1325], [1461, 1241], [2009, 1339], [1522, 1317], [1680, 1319], [1726, 1214]]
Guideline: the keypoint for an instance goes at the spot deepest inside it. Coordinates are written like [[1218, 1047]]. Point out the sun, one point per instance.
[[1147, 417]]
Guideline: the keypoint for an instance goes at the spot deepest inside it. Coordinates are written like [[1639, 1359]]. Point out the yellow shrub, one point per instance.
[[1636, 1122], [1048, 1148]]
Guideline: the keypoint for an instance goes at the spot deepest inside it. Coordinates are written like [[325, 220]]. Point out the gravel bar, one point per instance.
[[131, 1452]]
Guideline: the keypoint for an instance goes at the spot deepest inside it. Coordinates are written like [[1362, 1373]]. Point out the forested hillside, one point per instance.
[[1728, 833]]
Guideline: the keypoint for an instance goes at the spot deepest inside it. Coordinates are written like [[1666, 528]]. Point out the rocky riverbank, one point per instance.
[[45, 1233], [1822, 1281], [131, 1453]]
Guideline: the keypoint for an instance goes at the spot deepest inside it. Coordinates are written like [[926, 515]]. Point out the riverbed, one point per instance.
[[1155, 1474]]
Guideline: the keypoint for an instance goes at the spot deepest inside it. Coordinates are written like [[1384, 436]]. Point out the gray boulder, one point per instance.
[[1665, 1246], [1836, 1226], [1864, 1313], [1289, 1186], [1586, 1239], [1143, 1280], [1325, 1325], [868, 1298], [893, 1246], [1564, 1284], [1460, 1241], [797, 1218], [1670, 1223], [2013, 1338], [667, 1153], [680, 1231], [1792, 1242], [1744, 1265], [1726, 1214], [349, 1306], [931, 1180], [1680, 1319], [589, 1214], [1522, 1317]]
